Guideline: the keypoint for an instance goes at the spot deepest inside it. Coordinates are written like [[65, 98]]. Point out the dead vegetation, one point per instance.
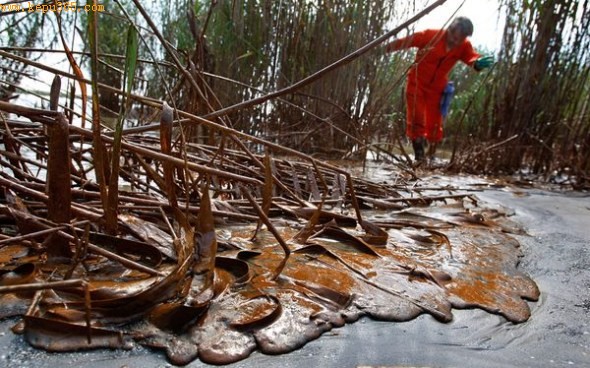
[[215, 252], [184, 229]]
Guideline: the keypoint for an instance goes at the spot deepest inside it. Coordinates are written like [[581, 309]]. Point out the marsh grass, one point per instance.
[[530, 112]]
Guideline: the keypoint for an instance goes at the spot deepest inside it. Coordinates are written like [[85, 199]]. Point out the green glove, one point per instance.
[[483, 62]]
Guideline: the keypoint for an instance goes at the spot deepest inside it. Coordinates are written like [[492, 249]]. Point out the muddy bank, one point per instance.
[[557, 334], [557, 257]]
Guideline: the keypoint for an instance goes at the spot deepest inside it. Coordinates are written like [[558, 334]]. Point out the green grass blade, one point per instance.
[[99, 156], [131, 59], [128, 77]]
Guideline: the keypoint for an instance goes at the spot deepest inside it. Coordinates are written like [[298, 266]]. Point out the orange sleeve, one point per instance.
[[418, 39], [468, 54]]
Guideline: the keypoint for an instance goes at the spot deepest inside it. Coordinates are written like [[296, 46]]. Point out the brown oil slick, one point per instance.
[[434, 259]]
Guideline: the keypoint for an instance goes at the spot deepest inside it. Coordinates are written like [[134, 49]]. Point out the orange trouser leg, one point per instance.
[[434, 120], [423, 115]]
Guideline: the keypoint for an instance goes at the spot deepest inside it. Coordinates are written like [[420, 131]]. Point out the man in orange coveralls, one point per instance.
[[438, 52]]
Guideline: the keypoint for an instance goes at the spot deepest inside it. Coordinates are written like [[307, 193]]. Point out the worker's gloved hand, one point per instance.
[[483, 62]]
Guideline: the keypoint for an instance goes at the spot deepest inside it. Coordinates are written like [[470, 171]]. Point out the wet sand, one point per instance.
[[556, 256]]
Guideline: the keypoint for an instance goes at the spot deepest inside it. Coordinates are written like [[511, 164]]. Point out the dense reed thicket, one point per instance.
[[268, 45], [530, 112]]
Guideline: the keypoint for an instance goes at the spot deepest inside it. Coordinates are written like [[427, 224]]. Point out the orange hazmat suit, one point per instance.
[[427, 79]]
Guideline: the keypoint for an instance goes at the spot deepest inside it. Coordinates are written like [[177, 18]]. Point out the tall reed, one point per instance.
[[534, 115], [530, 111]]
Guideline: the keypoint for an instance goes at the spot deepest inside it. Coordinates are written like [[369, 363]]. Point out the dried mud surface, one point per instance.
[[556, 334]]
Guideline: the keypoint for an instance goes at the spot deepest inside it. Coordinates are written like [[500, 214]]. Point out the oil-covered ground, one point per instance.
[[556, 257]]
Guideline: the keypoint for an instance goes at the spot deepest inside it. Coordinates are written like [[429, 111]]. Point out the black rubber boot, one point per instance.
[[418, 145]]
